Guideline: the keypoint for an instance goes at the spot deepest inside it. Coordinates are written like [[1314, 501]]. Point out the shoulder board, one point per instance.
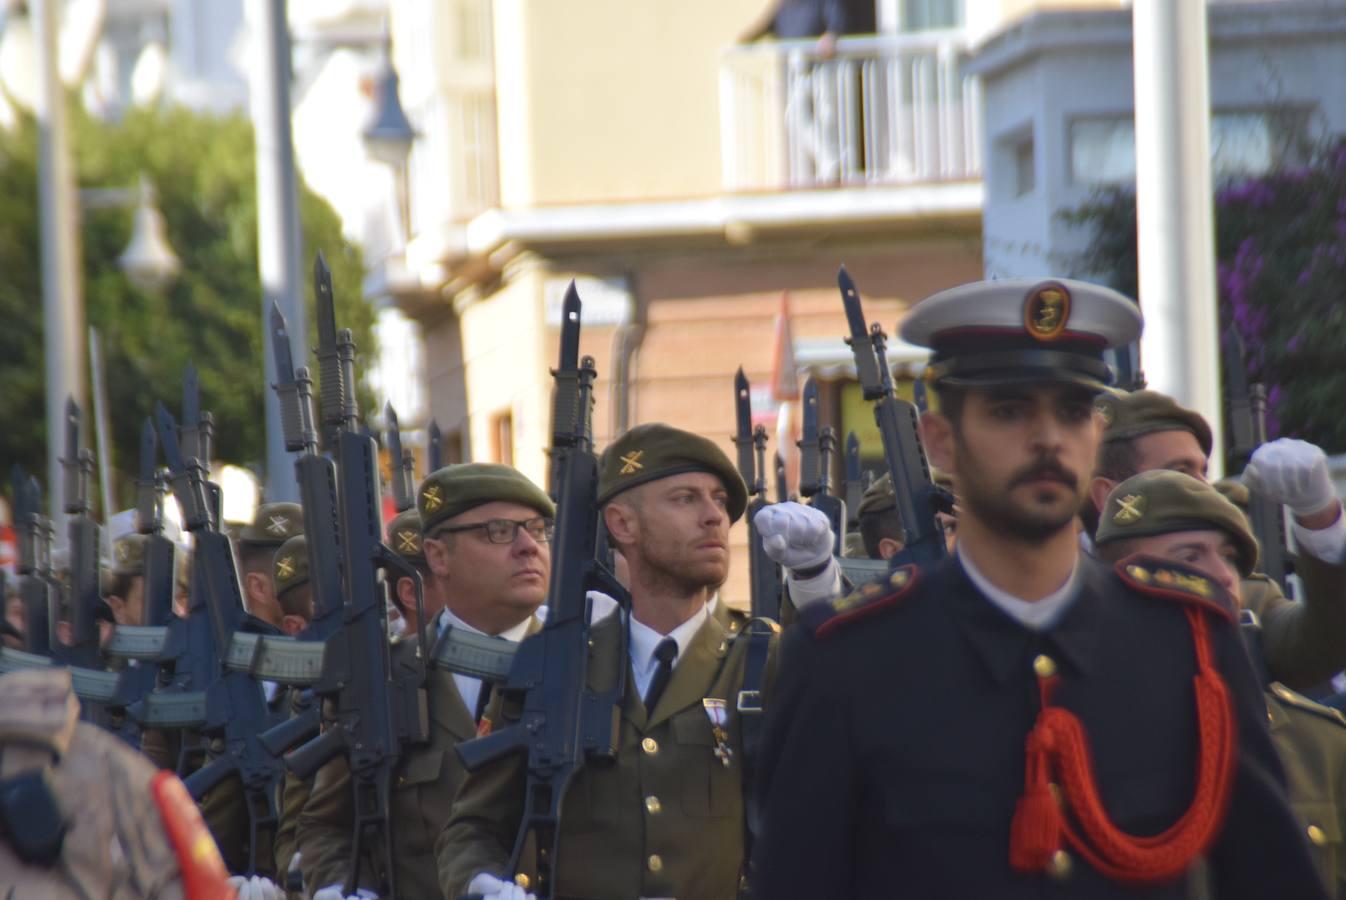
[[1299, 701], [1172, 581], [876, 596]]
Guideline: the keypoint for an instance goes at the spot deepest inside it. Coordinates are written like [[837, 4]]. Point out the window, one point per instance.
[[927, 15], [502, 438], [1025, 169], [1250, 142]]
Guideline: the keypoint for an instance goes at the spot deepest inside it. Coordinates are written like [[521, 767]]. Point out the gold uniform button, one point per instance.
[[1059, 866], [649, 745], [1317, 836], [1044, 666], [522, 880], [655, 862], [653, 806]]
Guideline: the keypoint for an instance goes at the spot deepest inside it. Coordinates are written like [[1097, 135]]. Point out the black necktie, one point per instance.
[[664, 654]]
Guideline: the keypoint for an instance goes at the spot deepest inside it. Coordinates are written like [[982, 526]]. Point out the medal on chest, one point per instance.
[[718, 713]]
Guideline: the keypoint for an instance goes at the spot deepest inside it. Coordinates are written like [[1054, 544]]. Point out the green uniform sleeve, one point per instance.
[[323, 833], [1304, 642]]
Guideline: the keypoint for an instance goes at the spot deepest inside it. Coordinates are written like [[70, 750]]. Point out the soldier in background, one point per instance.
[[82, 816], [486, 543], [256, 546], [1172, 516], [1304, 642], [404, 536]]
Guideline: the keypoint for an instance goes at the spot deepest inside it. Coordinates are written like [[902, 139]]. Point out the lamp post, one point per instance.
[[388, 135]]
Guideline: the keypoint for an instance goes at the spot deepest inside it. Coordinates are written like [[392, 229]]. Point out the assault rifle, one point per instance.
[[36, 590], [402, 464], [235, 710], [916, 495], [855, 480], [782, 487], [85, 537], [764, 575], [377, 708], [565, 723], [435, 449], [1248, 427], [815, 467]]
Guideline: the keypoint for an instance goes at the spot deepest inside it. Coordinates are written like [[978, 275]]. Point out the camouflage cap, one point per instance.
[[1130, 415], [273, 525], [455, 489], [878, 497], [404, 536], [290, 568], [128, 555], [1162, 501], [649, 452]]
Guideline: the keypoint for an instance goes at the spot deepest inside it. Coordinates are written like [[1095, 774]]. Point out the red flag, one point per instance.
[[784, 376]]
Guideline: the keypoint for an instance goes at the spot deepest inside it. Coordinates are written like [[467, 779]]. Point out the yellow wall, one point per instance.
[[610, 99], [505, 350]]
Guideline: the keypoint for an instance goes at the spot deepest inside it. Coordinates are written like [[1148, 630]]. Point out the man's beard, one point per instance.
[[1026, 524], [671, 573]]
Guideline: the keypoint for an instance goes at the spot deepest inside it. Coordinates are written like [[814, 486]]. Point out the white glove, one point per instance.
[[794, 535], [1293, 473], [492, 888], [334, 892], [256, 888]]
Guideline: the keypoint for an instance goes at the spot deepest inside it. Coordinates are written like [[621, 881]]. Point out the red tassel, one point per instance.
[[1035, 832]]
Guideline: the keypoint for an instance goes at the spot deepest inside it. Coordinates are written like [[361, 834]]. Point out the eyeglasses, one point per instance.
[[504, 531]]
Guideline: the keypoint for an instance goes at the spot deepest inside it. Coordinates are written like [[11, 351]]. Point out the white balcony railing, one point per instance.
[[883, 110]]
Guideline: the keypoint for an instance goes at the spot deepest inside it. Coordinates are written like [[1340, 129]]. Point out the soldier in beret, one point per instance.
[[294, 593], [404, 536], [124, 586], [257, 543], [485, 538], [1019, 719], [1177, 518], [1304, 642], [666, 819]]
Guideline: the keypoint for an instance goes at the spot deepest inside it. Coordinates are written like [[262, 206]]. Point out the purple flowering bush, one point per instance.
[[1281, 257]]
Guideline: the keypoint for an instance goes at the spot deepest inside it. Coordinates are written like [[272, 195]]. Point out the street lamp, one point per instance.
[[148, 261], [388, 134]]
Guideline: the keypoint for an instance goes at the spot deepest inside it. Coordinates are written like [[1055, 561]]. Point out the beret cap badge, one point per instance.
[[1130, 508]]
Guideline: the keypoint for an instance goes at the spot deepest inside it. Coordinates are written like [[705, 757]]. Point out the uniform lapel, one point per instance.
[[695, 673]]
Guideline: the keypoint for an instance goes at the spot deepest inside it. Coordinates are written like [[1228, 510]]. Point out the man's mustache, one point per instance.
[[1046, 468]]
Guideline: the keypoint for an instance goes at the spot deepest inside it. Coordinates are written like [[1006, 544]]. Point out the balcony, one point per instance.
[[891, 110]]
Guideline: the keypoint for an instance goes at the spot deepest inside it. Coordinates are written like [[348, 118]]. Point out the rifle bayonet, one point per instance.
[[435, 448], [808, 440], [401, 464]]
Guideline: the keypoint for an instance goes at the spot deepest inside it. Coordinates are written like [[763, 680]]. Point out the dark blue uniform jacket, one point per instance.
[[893, 751]]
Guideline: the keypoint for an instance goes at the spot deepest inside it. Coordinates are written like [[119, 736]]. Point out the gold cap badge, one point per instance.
[[1046, 311], [631, 462], [1130, 509]]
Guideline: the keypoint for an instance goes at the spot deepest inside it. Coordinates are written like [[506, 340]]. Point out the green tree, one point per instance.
[[202, 168], [1281, 253]]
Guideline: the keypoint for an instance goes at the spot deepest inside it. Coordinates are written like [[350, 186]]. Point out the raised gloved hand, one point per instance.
[[256, 888], [334, 892], [794, 535], [1291, 472], [492, 888]]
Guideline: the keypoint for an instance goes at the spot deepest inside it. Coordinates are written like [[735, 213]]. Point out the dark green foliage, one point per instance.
[[1281, 248], [202, 168]]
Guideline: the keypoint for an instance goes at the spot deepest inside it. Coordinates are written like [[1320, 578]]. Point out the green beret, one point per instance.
[[1162, 501], [128, 555], [653, 451], [291, 564], [273, 525], [455, 489], [878, 497], [1235, 491], [1145, 412], [854, 547], [404, 536]]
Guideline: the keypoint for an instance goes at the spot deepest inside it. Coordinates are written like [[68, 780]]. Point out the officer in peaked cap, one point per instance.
[[257, 542], [1304, 642], [1065, 751], [1175, 517]]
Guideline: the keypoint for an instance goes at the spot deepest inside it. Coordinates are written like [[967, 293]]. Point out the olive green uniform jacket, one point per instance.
[[1311, 741], [425, 783], [1304, 643], [666, 820]]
